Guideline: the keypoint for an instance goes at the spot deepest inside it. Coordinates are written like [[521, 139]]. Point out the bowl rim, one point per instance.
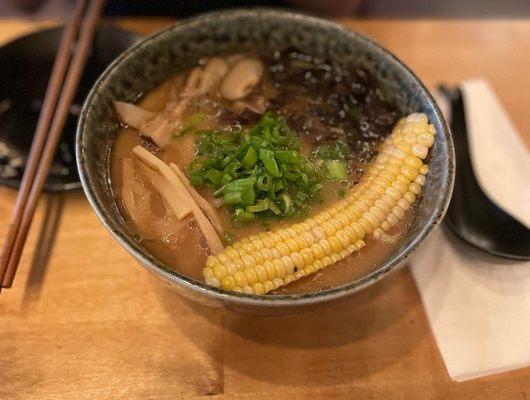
[[292, 300]]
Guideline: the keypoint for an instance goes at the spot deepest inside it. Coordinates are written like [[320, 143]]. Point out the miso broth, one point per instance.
[[329, 112]]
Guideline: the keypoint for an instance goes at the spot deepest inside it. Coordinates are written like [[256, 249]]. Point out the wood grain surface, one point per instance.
[[94, 325]]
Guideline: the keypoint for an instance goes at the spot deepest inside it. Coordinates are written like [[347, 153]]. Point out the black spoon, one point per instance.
[[472, 216]]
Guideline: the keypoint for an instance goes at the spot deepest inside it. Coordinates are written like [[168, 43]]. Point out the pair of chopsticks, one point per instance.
[[75, 46]]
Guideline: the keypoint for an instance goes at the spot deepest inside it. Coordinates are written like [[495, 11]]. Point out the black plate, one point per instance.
[[25, 66]]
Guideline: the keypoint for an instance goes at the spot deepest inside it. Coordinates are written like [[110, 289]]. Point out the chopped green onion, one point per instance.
[[264, 183], [225, 179], [286, 202], [287, 156], [267, 157], [336, 151], [214, 176], [232, 198], [261, 205], [291, 176], [258, 171], [274, 208], [242, 216], [250, 159], [336, 170]]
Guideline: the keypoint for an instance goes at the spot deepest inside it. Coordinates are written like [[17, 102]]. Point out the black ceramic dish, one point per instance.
[[143, 67], [25, 66], [472, 216]]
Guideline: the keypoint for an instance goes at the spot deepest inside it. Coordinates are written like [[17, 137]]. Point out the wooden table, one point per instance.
[[97, 326]]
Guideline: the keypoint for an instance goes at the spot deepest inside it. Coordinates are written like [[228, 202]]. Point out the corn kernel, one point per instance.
[[392, 219], [258, 258], [270, 268], [288, 263], [266, 254], [211, 261], [298, 260], [318, 232], [240, 278], [366, 225], [380, 215], [231, 252], [261, 273], [378, 232], [426, 139], [324, 243], [343, 238], [268, 286], [359, 230], [292, 245], [372, 219], [411, 197], [219, 271], [223, 258], [393, 192], [283, 234], [409, 172], [230, 268], [228, 282], [213, 282], [420, 180], [277, 282], [415, 188], [248, 261], [317, 251], [247, 289], [251, 275], [308, 237], [207, 272], [258, 288], [382, 205], [275, 253], [359, 244], [282, 248], [268, 242], [307, 255], [311, 222], [280, 268], [334, 244]]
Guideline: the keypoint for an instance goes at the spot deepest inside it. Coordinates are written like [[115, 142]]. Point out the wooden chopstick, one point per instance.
[[49, 130], [60, 66]]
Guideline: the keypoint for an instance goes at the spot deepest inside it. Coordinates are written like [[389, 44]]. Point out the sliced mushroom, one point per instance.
[[201, 80], [241, 79], [213, 72], [132, 115], [257, 105], [159, 129], [168, 122]]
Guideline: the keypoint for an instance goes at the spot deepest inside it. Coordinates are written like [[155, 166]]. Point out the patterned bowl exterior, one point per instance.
[[177, 48]]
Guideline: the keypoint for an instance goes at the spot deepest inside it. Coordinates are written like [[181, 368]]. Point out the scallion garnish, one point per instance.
[[259, 172]]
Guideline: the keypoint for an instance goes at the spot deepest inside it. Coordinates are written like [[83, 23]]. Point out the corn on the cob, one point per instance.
[[263, 262]]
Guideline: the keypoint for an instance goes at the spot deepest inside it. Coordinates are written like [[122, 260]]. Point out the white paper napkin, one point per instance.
[[479, 307]]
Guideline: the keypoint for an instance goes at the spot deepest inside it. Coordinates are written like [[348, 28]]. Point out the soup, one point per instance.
[[274, 173]]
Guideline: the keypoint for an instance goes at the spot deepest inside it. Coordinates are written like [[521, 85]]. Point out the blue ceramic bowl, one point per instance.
[[177, 48]]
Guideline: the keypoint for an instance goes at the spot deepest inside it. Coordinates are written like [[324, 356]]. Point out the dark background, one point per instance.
[[362, 8]]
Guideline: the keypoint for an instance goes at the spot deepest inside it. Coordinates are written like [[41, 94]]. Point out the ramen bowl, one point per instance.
[[176, 49]]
